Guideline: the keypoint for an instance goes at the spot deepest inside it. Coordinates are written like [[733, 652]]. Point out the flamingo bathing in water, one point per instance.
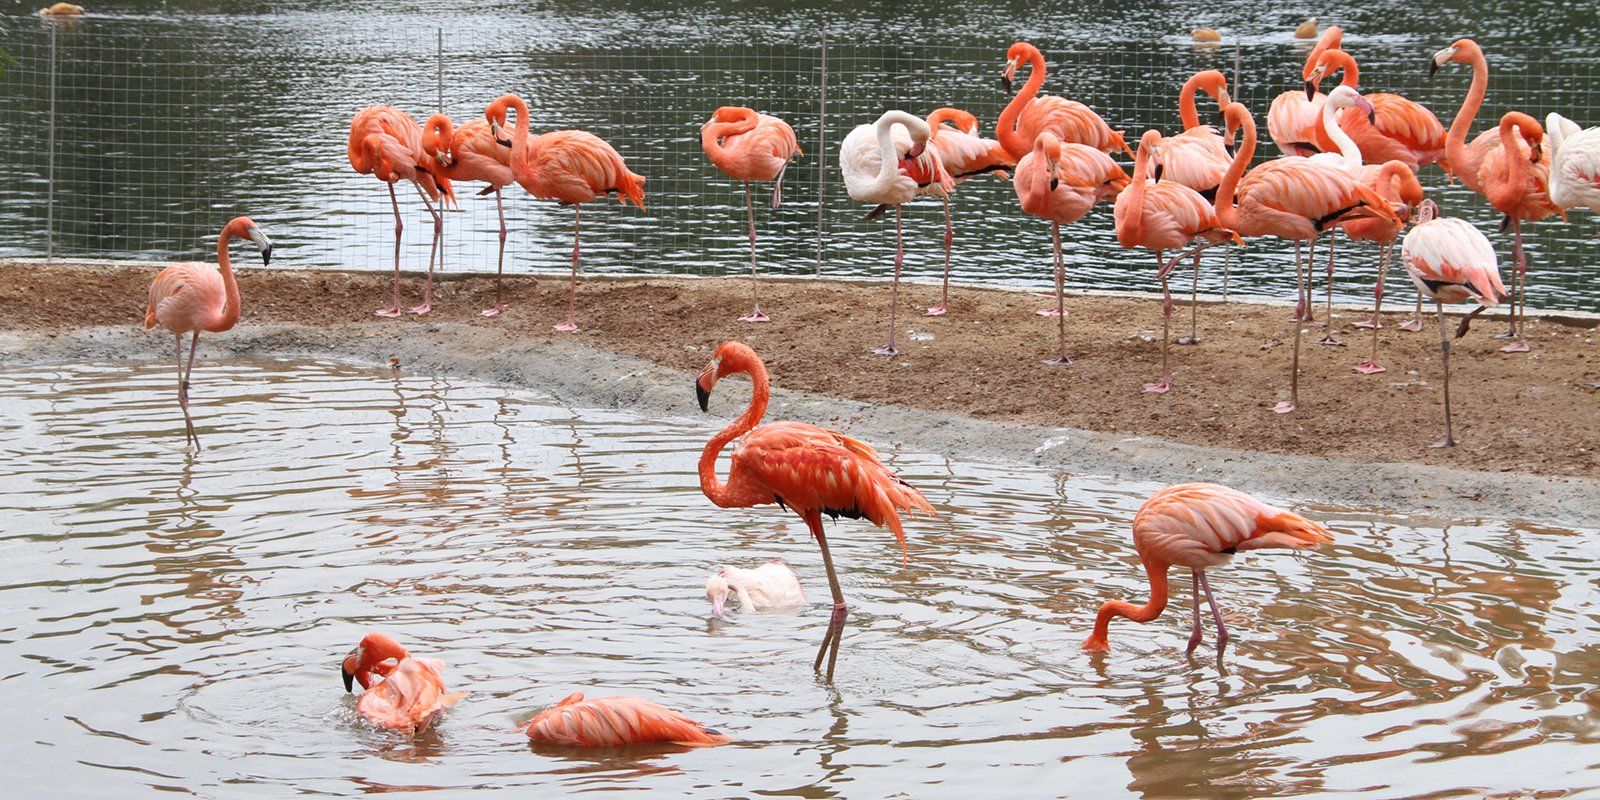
[[192, 297], [769, 587], [615, 722], [748, 146], [1199, 526], [410, 695], [386, 143], [470, 153], [809, 470]]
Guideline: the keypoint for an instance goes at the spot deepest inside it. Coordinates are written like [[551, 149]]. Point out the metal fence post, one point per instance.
[[822, 127], [440, 68], [50, 163]]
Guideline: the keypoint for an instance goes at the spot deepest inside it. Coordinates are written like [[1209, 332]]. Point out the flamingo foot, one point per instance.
[[1164, 386], [1411, 325], [886, 350], [388, 312], [1369, 368], [1058, 361], [1367, 324], [422, 309], [565, 327], [1517, 346], [1505, 335], [492, 311], [1049, 312], [1450, 442], [1187, 340], [1284, 407], [755, 316], [937, 311], [1329, 340]]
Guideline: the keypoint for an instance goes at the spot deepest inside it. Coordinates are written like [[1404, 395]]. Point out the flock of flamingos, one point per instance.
[[1349, 162]]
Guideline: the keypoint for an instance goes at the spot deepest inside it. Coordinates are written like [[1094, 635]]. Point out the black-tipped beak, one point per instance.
[[349, 680], [266, 259], [1433, 67], [1054, 182], [1311, 91], [1372, 117], [1159, 169], [1535, 153], [702, 396], [1227, 147], [1005, 83]]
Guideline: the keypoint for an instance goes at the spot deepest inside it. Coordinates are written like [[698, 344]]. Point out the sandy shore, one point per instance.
[[1530, 424]]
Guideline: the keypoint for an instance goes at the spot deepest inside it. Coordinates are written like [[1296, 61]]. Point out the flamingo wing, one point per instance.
[[1292, 122], [1195, 158], [410, 698], [615, 721], [1319, 193], [1071, 121], [966, 155], [184, 296], [1201, 525], [1575, 171], [1450, 251]]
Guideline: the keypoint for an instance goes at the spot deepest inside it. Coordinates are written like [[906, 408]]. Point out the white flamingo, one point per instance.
[[1574, 163], [888, 163], [769, 587]]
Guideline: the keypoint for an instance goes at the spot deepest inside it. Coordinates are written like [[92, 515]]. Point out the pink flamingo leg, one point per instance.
[[1061, 298], [1300, 283], [1294, 367], [835, 634], [1165, 384], [1444, 357], [894, 292], [572, 295], [434, 253], [755, 293], [1383, 269], [1198, 633], [1227, 263], [189, 435], [1216, 613], [1415, 323], [1194, 305], [1371, 365], [949, 237], [1327, 336], [1519, 293], [500, 266], [394, 311]]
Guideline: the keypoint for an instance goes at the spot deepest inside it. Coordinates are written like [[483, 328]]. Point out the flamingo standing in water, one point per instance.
[[964, 155], [1161, 216], [386, 143], [1198, 158], [889, 163], [617, 721], [1293, 117], [1061, 183], [192, 297], [1526, 196], [1398, 129], [1450, 261], [1199, 526], [470, 153], [1290, 198], [1028, 114], [809, 470], [411, 695], [571, 167], [748, 146], [1574, 163]]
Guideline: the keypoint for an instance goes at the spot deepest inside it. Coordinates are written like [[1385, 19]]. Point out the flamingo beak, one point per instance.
[[1372, 112], [1311, 91], [1223, 99], [716, 606], [1159, 167], [1535, 151], [262, 243], [917, 150], [494, 131], [702, 395], [344, 670], [1005, 75]]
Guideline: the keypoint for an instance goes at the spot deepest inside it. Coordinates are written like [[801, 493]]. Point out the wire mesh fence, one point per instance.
[[160, 135]]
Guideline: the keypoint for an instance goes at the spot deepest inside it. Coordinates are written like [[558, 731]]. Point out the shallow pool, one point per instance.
[[173, 621]]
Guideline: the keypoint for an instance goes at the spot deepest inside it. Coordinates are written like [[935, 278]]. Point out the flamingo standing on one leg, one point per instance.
[[1061, 183], [571, 167], [1516, 181], [748, 146], [1450, 261], [1028, 114], [411, 695], [1398, 129], [1160, 216], [1293, 117], [192, 297], [386, 143], [1198, 158], [964, 155], [470, 153], [615, 722], [1398, 184], [1290, 198], [889, 163], [809, 470], [1574, 163], [1199, 526], [1343, 155]]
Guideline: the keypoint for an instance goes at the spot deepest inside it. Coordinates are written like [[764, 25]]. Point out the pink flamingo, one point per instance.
[[1450, 261], [1516, 181], [615, 722], [1290, 198], [748, 146], [1397, 183], [1293, 117], [1343, 155], [1028, 114], [809, 470], [571, 167], [964, 155], [1161, 216], [1198, 158], [386, 143], [1061, 183], [411, 695], [192, 297], [470, 153], [1199, 526], [889, 163], [1397, 130]]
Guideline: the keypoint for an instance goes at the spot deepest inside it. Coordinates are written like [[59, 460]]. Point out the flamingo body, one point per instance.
[[1029, 114], [964, 153], [768, 587], [407, 695], [1574, 163], [748, 146], [617, 721], [1452, 262]]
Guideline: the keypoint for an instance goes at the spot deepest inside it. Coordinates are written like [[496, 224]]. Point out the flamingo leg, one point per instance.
[[1300, 309], [572, 293], [1383, 269], [1371, 366], [835, 634], [755, 292], [500, 265], [1165, 384], [183, 393], [1327, 335], [1444, 357], [1194, 305], [894, 291], [1519, 292], [394, 311], [435, 253], [183, 388], [1227, 259], [1415, 323], [1216, 613], [949, 238], [1198, 633], [1061, 298]]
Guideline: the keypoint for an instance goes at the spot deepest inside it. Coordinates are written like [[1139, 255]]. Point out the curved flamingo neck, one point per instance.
[[888, 159], [711, 136], [1515, 184], [1227, 212], [1331, 39], [1006, 128], [760, 393], [521, 146], [1392, 180], [1157, 572], [1348, 151], [1340, 60], [1455, 143], [231, 304], [1129, 213], [1187, 114]]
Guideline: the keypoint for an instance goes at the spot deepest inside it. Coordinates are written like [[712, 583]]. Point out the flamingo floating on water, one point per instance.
[[386, 143], [615, 722], [470, 153], [768, 587], [748, 146], [409, 695]]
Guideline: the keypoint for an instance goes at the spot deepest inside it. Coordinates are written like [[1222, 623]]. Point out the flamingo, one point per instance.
[[1290, 198], [765, 588], [571, 167], [1516, 181], [386, 143], [1345, 156], [1028, 114], [1395, 182], [617, 721], [1450, 261], [1199, 526], [888, 162], [748, 146], [965, 155], [809, 470], [1197, 158], [470, 153], [1522, 191], [1161, 215], [1061, 183], [1398, 129], [1293, 117], [411, 695], [1574, 163], [192, 297]]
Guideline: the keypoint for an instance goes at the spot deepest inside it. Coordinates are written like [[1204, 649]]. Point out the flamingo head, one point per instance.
[[495, 113], [717, 591], [1461, 51], [437, 134], [1427, 211], [1019, 52], [1150, 152], [367, 658], [731, 358], [246, 228], [1343, 97]]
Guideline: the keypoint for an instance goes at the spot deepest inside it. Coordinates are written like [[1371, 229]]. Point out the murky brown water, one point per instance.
[[173, 622]]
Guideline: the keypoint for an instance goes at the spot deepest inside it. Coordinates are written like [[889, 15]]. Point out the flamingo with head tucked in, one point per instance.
[[386, 143], [1398, 129], [1028, 114], [470, 153], [749, 146], [616, 722], [964, 154], [1293, 117], [1574, 163], [409, 694]]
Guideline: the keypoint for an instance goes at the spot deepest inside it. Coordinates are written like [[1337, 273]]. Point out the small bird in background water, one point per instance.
[[61, 10], [617, 721], [748, 146], [1200, 525], [769, 587], [410, 695], [192, 297]]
